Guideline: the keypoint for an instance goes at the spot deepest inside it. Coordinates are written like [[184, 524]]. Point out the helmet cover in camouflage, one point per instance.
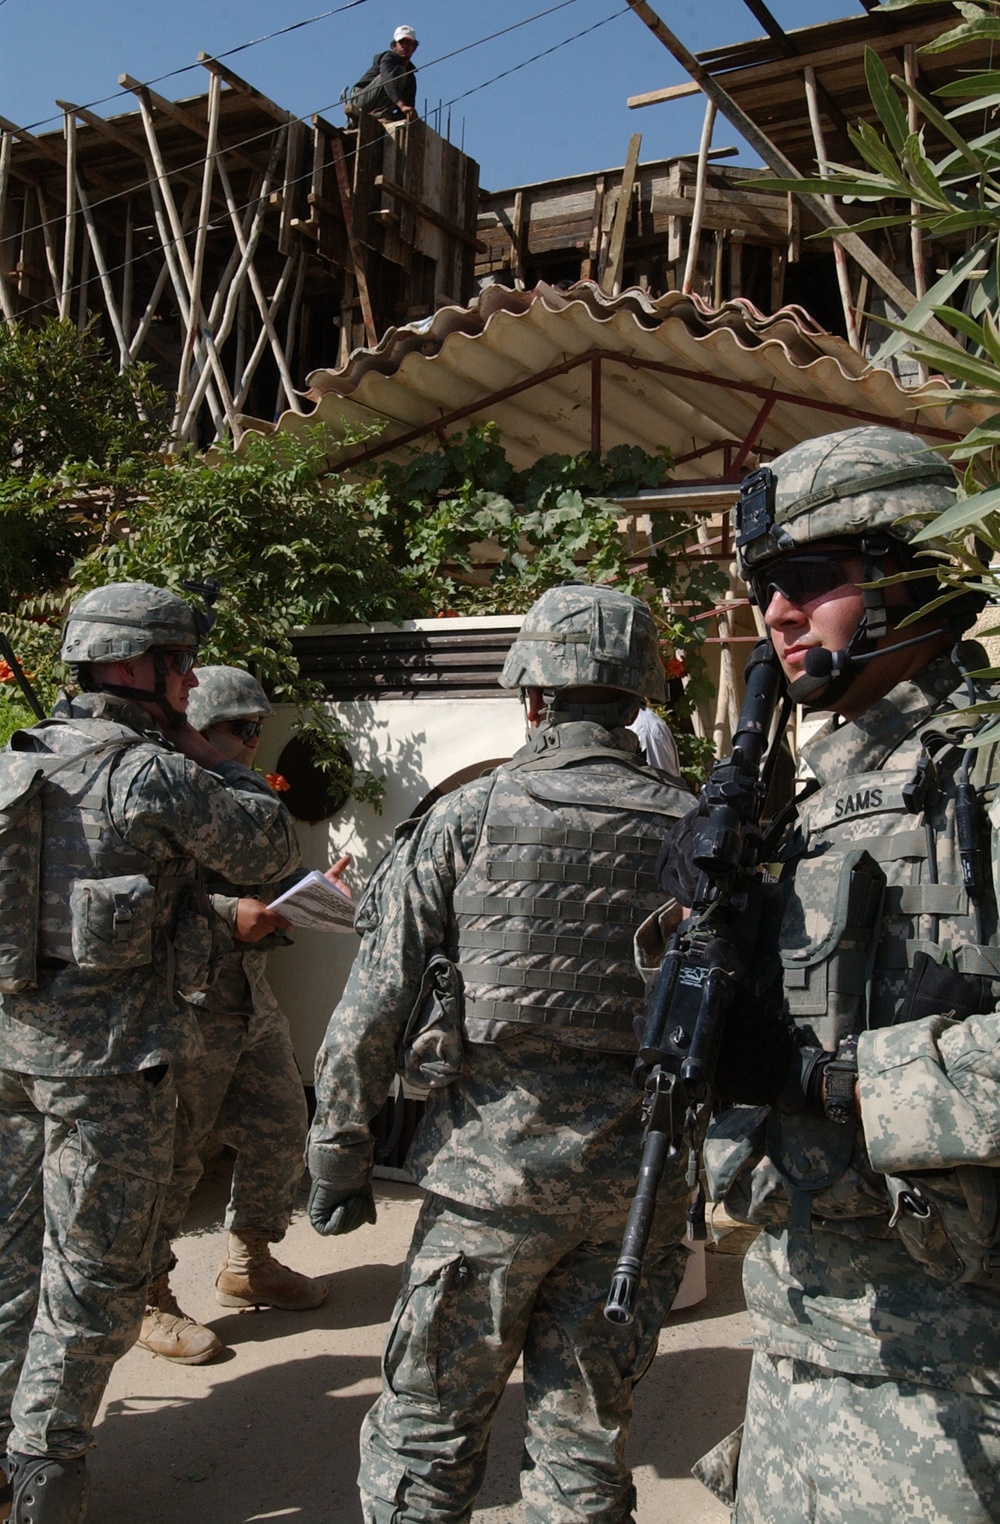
[[587, 637], [841, 486], [225, 693], [123, 620]]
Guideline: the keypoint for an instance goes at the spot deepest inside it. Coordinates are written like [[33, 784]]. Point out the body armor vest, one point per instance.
[[842, 975], [561, 875], [845, 973], [87, 897]]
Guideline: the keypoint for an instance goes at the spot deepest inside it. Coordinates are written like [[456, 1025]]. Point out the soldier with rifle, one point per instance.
[[496, 958], [864, 1141]]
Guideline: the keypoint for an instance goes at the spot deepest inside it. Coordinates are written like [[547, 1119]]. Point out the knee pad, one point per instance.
[[48, 1490]]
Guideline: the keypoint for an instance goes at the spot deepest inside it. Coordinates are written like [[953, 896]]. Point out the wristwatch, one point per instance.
[[840, 1076]]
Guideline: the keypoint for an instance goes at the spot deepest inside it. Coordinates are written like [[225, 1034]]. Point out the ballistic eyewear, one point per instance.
[[180, 662], [245, 730], [799, 579]]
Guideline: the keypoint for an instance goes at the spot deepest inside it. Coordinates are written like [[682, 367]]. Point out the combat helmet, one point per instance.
[[584, 636], [226, 693], [854, 485], [123, 620], [867, 490]]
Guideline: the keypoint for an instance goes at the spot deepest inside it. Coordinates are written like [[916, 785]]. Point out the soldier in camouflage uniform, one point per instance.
[[111, 810], [496, 955], [246, 1089], [874, 1287]]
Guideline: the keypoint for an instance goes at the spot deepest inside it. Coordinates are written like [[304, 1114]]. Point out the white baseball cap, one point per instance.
[[403, 32]]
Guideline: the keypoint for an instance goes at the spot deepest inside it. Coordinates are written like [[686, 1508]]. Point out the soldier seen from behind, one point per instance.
[[245, 1090], [496, 965], [112, 811], [866, 1148]]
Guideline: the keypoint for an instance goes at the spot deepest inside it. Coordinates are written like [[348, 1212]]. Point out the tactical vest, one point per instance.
[[560, 877], [82, 895], [841, 975], [845, 972]]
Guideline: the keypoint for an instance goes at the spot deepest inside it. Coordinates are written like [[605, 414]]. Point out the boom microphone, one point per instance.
[[822, 663]]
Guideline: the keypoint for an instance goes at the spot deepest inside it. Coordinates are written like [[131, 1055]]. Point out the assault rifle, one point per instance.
[[695, 985]]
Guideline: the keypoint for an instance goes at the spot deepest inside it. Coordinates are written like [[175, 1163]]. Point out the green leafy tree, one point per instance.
[[75, 441]]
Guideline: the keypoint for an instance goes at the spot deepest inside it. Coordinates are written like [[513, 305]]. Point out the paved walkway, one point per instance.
[[269, 1431]]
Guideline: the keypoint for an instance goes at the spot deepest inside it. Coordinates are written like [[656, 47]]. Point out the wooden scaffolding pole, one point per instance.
[[839, 254], [698, 212], [902, 298], [196, 318], [69, 229], [6, 146]]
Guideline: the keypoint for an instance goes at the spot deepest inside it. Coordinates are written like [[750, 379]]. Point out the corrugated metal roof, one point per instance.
[[673, 372]]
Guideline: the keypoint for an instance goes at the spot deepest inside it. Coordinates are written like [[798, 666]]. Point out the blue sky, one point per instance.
[[563, 114]]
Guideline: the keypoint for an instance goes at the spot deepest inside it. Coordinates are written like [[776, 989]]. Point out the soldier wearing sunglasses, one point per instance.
[[245, 1091], [865, 1147]]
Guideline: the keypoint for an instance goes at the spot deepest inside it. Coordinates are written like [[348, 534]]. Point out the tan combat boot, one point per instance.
[[170, 1333], [249, 1277]]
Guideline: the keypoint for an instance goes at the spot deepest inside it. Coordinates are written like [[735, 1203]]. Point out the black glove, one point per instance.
[[333, 1210], [675, 871]]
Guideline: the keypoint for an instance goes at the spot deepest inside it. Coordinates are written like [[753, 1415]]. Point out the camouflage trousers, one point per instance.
[[84, 1165], [820, 1447], [245, 1089], [479, 1290]]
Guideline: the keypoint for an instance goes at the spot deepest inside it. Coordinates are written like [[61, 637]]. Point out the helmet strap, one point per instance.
[[157, 695]]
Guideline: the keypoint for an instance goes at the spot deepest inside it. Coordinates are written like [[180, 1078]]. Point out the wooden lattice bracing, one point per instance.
[[228, 243]]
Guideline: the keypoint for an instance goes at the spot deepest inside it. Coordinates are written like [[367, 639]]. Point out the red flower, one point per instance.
[[6, 673], [675, 668], [279, 783]]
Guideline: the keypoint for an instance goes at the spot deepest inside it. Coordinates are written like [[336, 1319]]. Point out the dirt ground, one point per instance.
[[269, 1431]]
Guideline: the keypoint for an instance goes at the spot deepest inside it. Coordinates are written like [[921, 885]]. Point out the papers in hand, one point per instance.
[[316, 903]]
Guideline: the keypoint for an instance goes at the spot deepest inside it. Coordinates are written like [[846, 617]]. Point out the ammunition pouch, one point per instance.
[[111, 922], [431, 1050]]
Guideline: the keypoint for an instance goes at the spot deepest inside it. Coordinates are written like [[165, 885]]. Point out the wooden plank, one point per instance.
[[670, 93], [611, 279], [589, 266], [398, 193], [238, 83], [357, 257]]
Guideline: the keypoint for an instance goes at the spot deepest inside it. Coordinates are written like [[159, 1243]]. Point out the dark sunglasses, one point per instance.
[[800, 579], [245, 730], [180, 662]]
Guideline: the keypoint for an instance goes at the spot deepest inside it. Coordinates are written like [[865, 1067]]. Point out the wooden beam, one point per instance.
[[237, 83], [694, 236], [69, 229], [460, 234], [777, 34], [186, 119], [612, 277], [839, 254], [357, 249], [902, 298], [821, 58], [670, 93]]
